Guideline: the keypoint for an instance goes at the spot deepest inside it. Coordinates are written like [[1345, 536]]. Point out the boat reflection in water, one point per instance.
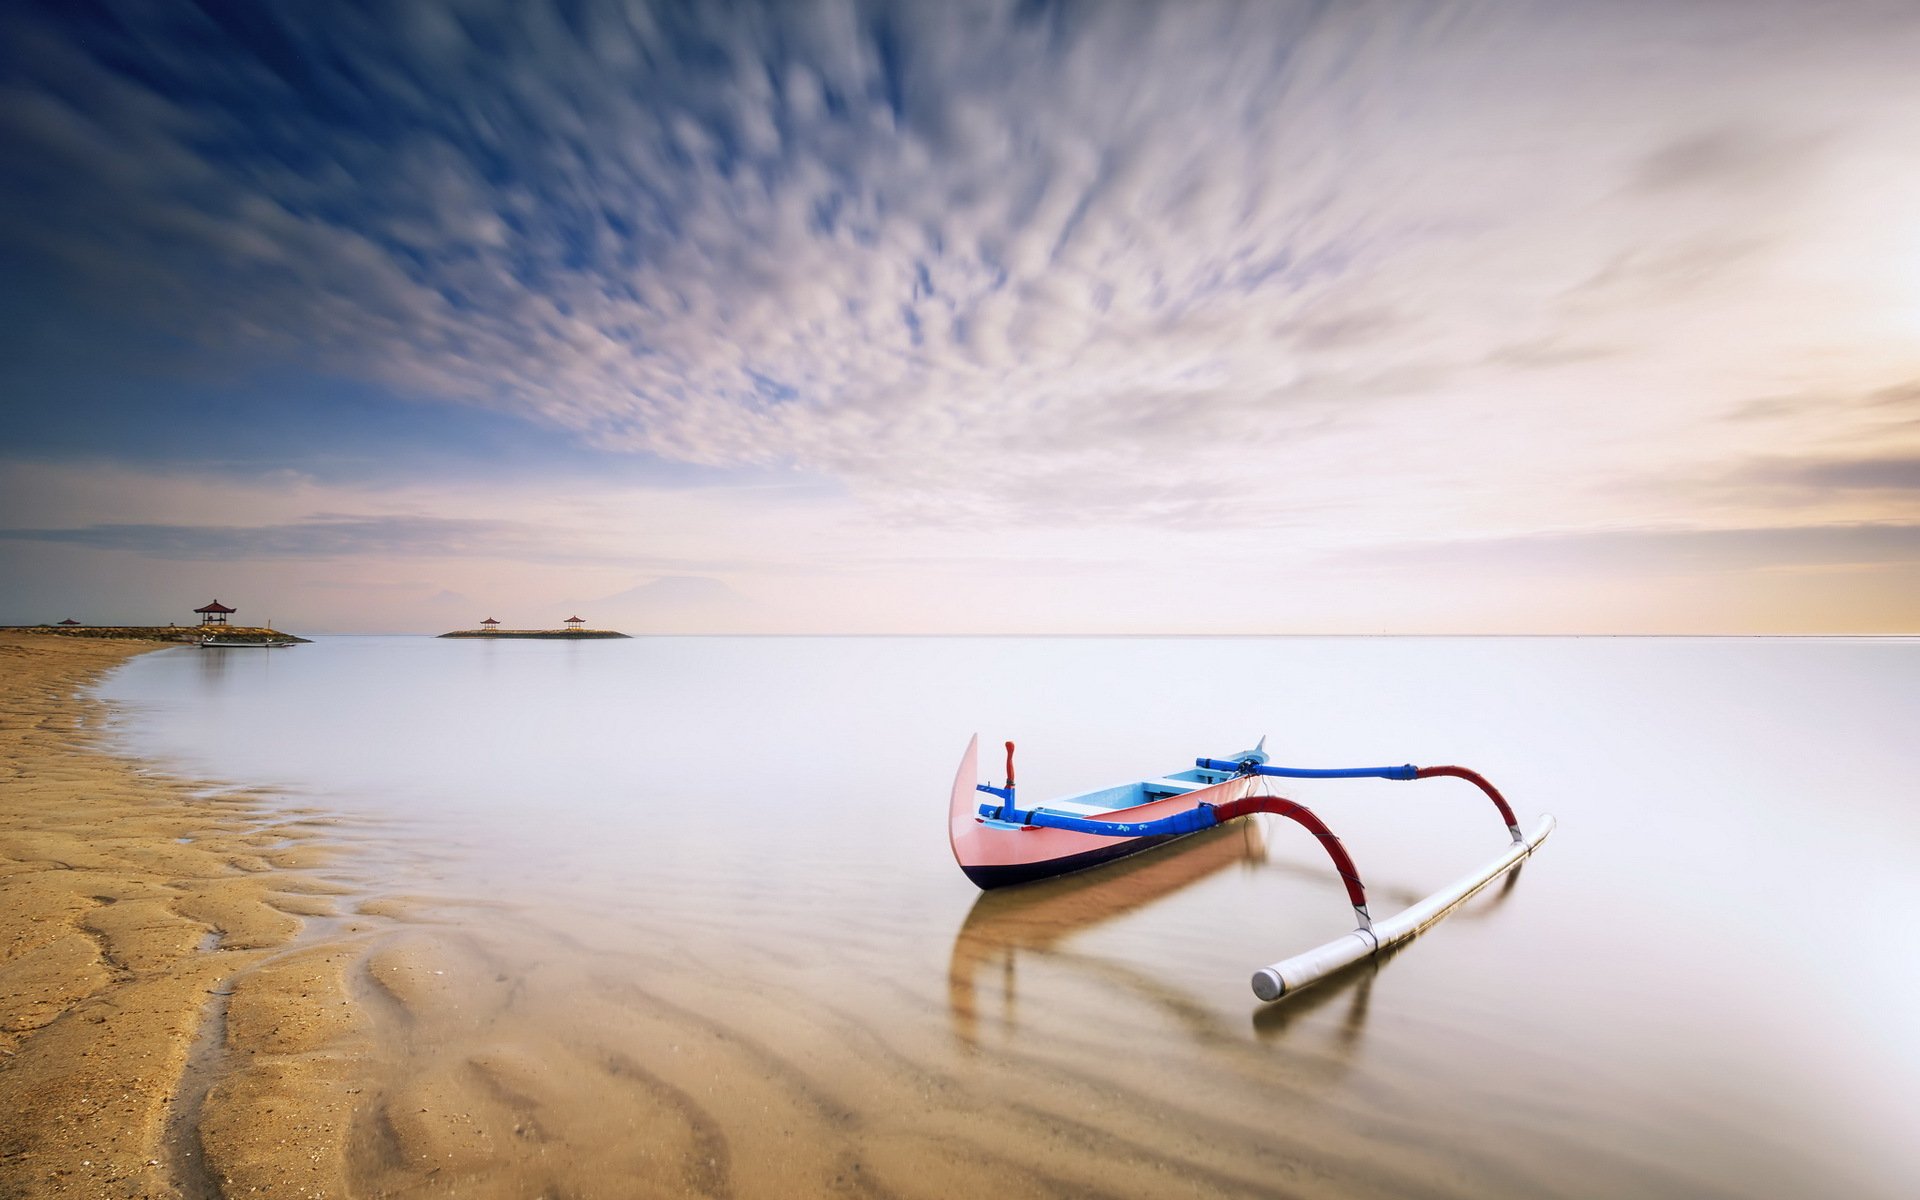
[[1042, 919], [1038, 918]]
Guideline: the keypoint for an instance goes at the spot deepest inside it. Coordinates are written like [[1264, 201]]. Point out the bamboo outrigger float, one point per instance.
[[1000, 844]]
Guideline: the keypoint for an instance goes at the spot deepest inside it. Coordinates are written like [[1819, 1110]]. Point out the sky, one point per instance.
[[963, 317]]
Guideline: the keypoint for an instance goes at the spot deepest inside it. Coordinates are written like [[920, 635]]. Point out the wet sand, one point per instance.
[[152, 929]]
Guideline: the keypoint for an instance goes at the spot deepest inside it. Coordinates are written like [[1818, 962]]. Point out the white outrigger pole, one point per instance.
[[1289, 975]]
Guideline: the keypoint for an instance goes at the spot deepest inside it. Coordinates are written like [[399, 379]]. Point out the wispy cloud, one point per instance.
[[324, 536], [1896, 473], [974, 259], [1627, 552], [368, 537]]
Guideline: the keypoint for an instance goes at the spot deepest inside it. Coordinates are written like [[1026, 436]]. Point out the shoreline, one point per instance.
[[174, 1009], [204, 995], [182, 635]]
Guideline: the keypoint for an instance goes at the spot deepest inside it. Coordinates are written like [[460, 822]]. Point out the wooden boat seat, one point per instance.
[[1173, 787], [1073, 809]]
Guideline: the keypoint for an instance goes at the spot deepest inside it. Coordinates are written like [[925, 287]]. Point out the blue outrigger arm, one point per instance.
[[1248, 766]]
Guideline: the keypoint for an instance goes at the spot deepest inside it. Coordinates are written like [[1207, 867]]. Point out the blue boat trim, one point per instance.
[[1191, 821], [1249, 767], [1209, 771]]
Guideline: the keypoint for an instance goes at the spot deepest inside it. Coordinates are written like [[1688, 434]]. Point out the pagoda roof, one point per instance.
[[582, 620], [489, 621], [217, 607]]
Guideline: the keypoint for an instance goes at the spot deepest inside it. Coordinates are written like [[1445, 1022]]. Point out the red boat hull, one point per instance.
[[993, 856]]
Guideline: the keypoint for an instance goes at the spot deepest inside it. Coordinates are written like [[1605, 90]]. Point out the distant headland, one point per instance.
[[193, 635], [213, 630], [574, 630]]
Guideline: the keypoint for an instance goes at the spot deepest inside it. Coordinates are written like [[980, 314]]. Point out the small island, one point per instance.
[[575, 630]]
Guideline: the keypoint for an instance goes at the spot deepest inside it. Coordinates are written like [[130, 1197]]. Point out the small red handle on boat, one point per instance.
[[1009, 764]]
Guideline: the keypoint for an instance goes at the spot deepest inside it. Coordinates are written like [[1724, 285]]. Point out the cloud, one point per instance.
[[1545, 353], [1179, 264], [1881, 472], [374, 537], [1728, 157], [1904, 397], [1631, 552], [1898, 403], [323, 536]]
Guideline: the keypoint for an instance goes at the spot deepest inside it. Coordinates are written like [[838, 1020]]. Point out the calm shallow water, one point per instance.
[[1702, 983]]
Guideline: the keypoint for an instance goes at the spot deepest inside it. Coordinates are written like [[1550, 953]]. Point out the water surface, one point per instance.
[[1699, 986]]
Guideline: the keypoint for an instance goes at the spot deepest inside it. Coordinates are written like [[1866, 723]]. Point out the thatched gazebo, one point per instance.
[[215, 613]]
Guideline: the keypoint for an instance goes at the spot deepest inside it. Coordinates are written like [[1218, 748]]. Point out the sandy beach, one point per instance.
[[167, 1016]]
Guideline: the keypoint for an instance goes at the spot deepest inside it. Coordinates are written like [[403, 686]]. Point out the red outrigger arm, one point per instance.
[[1479, 781], [1349, 874]]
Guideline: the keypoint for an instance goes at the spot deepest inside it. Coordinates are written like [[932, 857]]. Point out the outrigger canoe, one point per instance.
[[998, 843]]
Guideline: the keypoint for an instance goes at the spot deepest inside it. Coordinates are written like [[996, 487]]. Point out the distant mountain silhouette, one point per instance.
[[671, 604], [678, 590]]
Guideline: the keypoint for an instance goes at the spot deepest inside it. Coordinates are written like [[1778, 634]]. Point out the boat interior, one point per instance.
[[1132, 795]]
